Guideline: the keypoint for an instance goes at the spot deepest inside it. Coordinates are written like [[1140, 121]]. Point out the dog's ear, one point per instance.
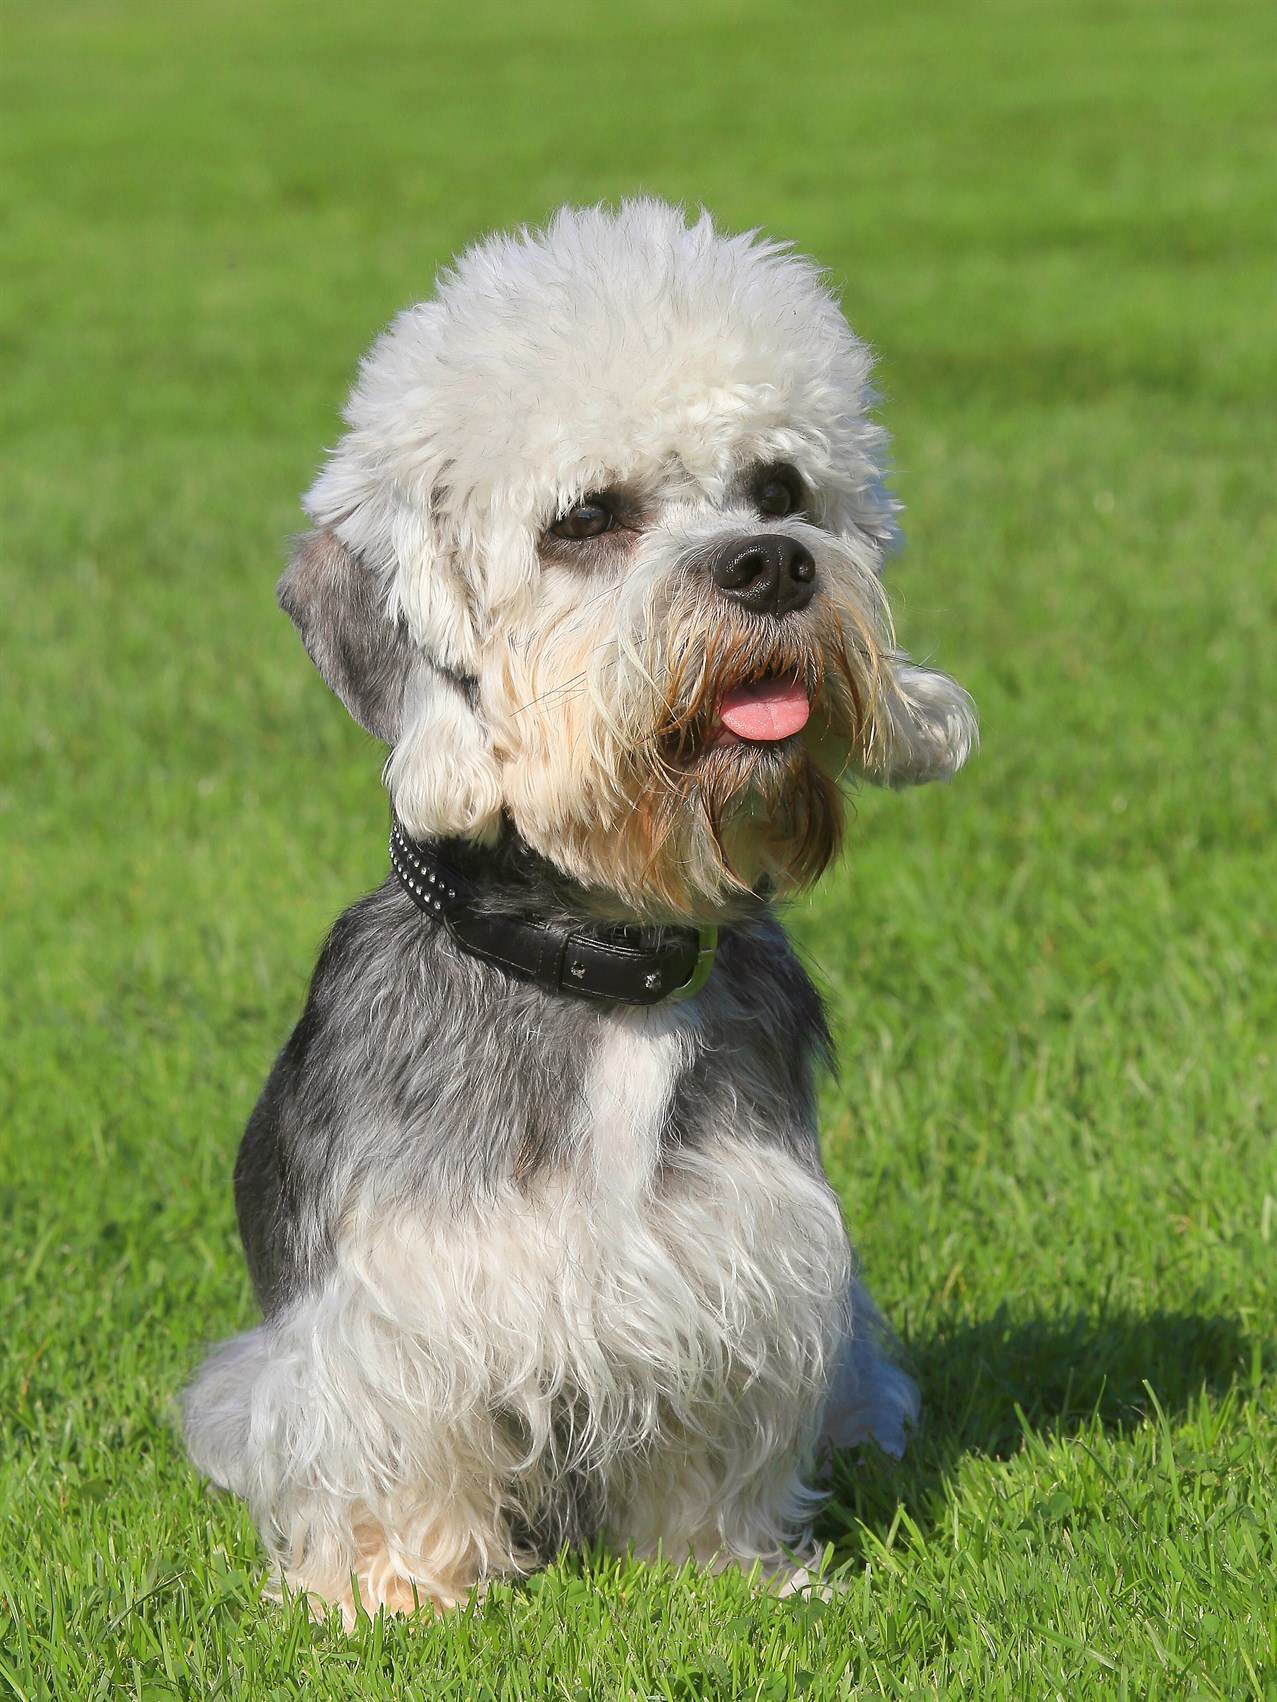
[[925, 726], [442, 776], [336, 605]]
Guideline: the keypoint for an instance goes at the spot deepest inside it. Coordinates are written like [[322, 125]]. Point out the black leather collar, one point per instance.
[[589, 960]]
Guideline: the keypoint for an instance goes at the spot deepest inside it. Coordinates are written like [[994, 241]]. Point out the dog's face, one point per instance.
[[600, 555]]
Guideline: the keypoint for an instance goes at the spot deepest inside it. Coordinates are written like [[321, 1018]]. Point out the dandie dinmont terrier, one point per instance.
[[532, 1199]]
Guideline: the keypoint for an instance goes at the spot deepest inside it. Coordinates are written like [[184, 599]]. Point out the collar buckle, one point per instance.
[[708, 946]]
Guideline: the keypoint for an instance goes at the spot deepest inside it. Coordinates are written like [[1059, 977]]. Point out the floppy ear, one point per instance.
[[335, 603], [441, 774], [926, 726], [442, 777]]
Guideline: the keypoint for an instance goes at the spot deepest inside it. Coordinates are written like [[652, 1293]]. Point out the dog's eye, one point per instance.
[[589, 519], [778, 491]]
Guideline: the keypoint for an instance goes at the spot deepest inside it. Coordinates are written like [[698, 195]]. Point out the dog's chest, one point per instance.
[[677, 1238], [627, 1092]]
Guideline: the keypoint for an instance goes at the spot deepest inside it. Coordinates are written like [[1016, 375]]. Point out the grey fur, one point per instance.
[[337, 606], [430, 1076]]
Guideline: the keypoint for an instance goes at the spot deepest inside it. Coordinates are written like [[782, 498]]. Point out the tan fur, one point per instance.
[[602, 731]]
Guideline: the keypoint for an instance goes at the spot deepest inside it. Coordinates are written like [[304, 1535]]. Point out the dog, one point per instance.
[[532, 1199]]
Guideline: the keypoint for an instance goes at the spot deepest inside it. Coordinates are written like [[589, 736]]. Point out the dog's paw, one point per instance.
[[788, 1581], [375, 1588]]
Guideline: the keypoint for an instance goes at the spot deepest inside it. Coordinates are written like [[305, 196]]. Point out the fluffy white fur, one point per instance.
[[551, 363]]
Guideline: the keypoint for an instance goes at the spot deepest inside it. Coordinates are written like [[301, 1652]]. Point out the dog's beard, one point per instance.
[[640, 792], [617, 765], [755, 817], [771, 818]]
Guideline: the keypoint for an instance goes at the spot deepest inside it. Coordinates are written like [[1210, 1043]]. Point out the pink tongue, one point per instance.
[[772, 709]]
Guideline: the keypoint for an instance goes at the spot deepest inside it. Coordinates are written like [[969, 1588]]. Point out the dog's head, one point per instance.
[[599, 556]]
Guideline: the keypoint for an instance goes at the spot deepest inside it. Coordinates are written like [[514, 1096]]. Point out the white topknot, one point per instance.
[[552, 361]]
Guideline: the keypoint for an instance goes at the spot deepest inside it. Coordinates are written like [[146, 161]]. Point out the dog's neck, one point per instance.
[[509, 907], [510, 878], [516, 880]]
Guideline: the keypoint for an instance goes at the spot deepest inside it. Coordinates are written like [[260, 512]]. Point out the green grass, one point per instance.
[[1054, 984]]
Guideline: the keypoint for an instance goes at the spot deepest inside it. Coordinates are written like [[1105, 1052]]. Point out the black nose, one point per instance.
[[769, 573]]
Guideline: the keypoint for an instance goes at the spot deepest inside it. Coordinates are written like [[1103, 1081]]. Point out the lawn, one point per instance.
[[1053, 984]]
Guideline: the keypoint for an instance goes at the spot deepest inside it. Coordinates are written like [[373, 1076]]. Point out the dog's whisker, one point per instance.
[[556, 693]]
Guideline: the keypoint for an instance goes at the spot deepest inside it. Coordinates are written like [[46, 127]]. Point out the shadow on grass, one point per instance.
[[983, 1384]]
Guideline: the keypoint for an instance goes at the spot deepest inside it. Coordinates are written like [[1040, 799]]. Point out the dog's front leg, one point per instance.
[[366, 1492]]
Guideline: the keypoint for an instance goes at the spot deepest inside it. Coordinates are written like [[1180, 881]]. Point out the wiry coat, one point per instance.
[[536, 1270]]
